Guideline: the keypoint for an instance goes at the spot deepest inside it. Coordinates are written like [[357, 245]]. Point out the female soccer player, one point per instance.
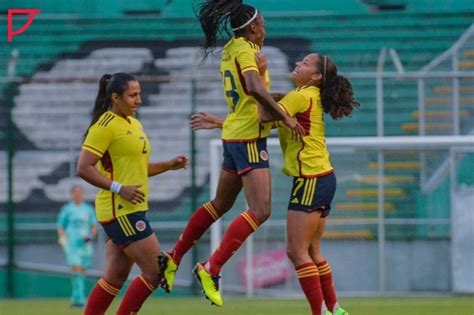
[[115, 157], [319, 89], [244, 137], [76, 228]]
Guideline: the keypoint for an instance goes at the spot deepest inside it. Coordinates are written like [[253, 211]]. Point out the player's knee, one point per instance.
[[295, 254]]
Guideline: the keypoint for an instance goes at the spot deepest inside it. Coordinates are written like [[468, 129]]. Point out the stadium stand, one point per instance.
[[84, 48], [419, 5]]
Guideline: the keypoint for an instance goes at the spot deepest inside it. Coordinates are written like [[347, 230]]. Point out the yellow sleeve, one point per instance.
[[247, 61], [98, 139], [294, 103], [267, 80]]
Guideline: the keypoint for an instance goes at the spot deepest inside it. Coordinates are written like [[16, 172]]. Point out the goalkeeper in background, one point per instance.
[[77, 227]]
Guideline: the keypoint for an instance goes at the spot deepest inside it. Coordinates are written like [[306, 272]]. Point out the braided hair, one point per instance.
[[337, 95], [215, 15]]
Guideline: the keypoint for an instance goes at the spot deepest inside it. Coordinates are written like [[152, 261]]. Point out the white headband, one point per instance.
[[248, 22]]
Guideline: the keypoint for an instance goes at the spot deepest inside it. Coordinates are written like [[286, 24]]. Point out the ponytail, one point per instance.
[[102, 100], [214, 15]]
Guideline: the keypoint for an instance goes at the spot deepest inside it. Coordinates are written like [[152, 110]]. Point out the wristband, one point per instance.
[[115, 187]]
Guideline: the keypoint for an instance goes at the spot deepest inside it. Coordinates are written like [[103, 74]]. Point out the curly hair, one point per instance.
[[337, 94]]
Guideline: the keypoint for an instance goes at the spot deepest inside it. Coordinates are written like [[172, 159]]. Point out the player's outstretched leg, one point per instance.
[[209, 284], [168, 270]]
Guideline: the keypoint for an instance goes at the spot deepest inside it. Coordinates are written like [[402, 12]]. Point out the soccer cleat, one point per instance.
[[340, 311], [209, 284], [167, 271]]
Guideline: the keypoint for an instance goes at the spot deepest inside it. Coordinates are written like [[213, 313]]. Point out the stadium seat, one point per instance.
[[179, 9], [370, 192], [351, 36], [361, 234], [284, 6], [362, 206], [397, 165]]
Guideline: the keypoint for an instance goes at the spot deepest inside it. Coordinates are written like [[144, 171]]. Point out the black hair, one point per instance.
[[214, 15], [337, 95], [108, 84]]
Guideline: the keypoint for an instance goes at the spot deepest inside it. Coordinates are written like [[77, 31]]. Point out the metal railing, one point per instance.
[[354, 146]]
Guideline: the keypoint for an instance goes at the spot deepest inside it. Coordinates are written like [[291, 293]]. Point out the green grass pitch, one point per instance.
[[271, 306]]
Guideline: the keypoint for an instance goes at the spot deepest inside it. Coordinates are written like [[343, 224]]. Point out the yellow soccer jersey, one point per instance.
[[124, 150], [308, 157], [242, 122]]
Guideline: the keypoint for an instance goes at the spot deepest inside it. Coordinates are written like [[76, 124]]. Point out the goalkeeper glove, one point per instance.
[[62, 240]]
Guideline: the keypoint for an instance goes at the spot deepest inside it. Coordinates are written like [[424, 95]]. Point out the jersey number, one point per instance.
[[299, 185], [231, 89], [144, 151]]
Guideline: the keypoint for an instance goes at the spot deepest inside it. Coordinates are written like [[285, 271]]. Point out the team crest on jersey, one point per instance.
[[264, 155], [140, 226]]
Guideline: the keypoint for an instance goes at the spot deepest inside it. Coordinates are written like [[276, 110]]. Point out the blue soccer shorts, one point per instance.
[[129, 228], [313, 194], [242, 157]]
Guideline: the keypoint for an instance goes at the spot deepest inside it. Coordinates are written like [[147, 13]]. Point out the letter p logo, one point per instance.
[[31, 15]]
